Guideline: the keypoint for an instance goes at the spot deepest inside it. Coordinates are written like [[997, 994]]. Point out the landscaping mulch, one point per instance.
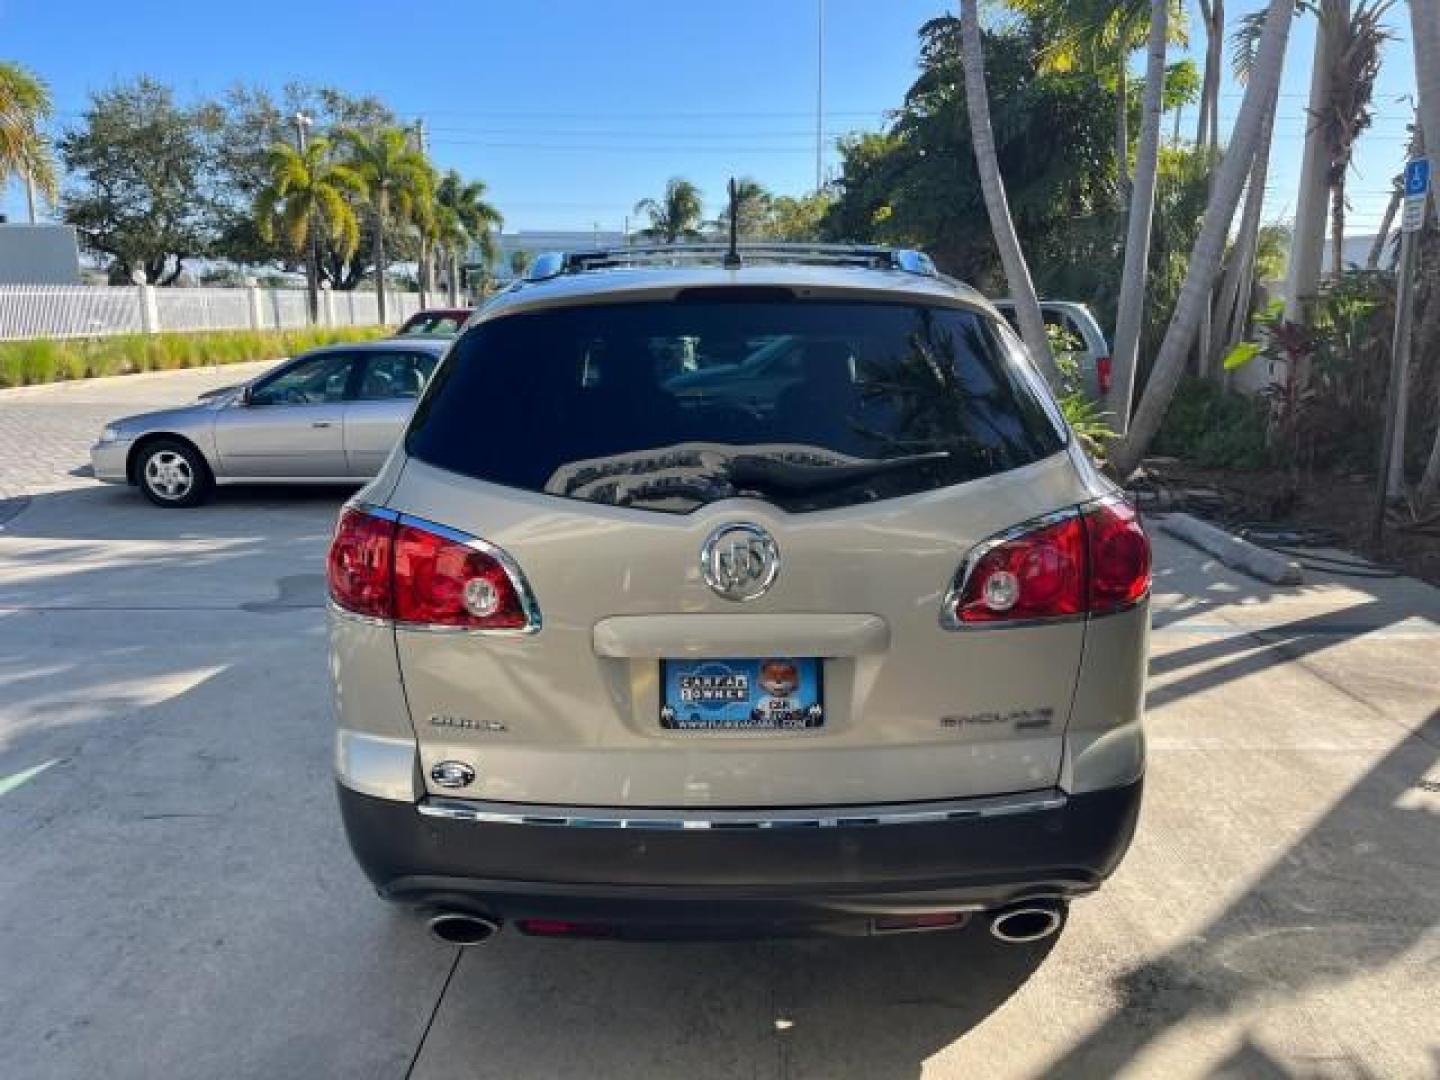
[[1341, 505]]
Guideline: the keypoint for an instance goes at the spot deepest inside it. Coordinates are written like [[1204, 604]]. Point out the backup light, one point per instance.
[[397, 570], [1089, 560]]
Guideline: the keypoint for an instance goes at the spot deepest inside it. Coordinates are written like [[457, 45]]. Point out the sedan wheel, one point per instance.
[[173, 474]]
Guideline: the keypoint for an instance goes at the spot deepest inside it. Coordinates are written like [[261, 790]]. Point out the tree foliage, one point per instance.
[[141, 172], [153, 184], [309, 192], [916, 183], [25, 150], [675, 215]]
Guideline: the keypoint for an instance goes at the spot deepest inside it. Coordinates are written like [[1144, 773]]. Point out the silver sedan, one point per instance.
[[328, 416]]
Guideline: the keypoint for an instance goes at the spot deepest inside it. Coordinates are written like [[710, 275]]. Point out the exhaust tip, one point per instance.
[[1029, 922], [462, 928]]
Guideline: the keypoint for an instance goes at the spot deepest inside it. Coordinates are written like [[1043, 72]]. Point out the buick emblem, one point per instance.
[[740, 561]]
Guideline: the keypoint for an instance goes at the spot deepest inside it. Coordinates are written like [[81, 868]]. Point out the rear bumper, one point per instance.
[[829, 869]]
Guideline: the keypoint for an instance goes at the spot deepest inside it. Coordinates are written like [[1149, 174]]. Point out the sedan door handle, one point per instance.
[[322, 423]]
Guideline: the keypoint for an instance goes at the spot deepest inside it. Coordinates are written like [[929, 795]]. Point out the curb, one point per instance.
[[1232, 551]]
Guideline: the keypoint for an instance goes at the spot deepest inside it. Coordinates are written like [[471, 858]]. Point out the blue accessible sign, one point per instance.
[[1417, 177]]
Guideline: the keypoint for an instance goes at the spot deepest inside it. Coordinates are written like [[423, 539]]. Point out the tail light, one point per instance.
[[1103, 374], [1086, 561], [415, 573]]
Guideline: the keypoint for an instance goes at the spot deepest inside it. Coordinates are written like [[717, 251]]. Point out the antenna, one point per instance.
[[732, 257]]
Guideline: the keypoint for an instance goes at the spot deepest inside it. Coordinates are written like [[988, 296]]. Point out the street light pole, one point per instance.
[[819, 88], [312, 258]]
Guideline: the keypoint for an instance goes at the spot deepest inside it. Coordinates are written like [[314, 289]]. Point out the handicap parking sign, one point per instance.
[[1417, 177]]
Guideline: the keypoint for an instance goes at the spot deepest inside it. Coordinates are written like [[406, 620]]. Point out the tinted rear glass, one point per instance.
[[672, 405]]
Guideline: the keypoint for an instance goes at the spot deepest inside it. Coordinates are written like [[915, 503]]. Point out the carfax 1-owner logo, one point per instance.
[[775, 693]]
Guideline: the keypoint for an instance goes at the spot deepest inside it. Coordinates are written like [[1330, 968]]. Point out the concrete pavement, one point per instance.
[[176, 898]]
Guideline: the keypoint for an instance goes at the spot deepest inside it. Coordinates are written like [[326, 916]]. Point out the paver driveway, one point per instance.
[[176, 899]]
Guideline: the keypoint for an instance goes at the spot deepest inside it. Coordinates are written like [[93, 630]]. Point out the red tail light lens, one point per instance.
[[1119, 555], [1038, 574], [359, 565], [1103, 374], [444, 582], [400, 570], [1088, 561]]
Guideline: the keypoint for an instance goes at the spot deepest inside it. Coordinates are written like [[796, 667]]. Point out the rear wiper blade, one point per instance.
[[781, 477]]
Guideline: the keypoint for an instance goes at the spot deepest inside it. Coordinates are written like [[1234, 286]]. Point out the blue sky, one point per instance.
[[571, 110]]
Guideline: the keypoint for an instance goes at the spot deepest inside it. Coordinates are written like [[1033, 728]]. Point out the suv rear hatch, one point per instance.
[[608, 451]]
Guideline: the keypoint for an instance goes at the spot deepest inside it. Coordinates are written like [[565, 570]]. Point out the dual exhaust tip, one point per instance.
[[1028, 921], [1019, 924], [462, 928]]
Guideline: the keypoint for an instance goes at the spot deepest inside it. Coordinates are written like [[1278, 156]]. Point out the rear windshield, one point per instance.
[[672, 405]]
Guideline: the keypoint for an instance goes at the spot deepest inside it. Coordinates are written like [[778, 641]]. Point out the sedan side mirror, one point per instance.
[[247, 396]]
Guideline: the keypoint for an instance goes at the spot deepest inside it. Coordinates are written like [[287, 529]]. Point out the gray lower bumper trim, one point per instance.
[[808, 817]]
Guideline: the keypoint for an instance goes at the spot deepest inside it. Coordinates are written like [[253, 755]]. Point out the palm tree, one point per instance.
[[752, 209], [1207, 122], [1126, 353], [1425, 35], [676, 216], [1357, 38], [1099, 36], [992, 188], [397, 177], [308, 192], [24, 149], [1225, 190], [1238, 283], [477, 218]]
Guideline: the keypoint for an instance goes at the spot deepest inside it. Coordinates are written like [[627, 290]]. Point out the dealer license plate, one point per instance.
[[771, 694]]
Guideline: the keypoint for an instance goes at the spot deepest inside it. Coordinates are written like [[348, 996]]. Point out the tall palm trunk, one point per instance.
[[382, 215], [1126, 353], [1377, 249], [454, 275], [1207, 122], [422, 272], [1306, 242], [1239, 280], [987, 163], [1122, 125], [1225, 191], [1337, 226], [1425, 33]]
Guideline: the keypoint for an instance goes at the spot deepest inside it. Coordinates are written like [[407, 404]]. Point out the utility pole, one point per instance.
[[819, 89], [1390, 482], [312, 258]]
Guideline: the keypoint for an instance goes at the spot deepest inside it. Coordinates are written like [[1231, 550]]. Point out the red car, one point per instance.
[[434, 322]]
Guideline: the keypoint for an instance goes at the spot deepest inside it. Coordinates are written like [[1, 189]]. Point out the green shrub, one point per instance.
[[43, 360], [1214, 428]]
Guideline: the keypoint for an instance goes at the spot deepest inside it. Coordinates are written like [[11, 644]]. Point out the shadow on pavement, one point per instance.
[[1353, 894], [875, 1008]]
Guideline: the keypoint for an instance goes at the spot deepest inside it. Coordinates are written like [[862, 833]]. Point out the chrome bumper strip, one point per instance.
[[810, 817]]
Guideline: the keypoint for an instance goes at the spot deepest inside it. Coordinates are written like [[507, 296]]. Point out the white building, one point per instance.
[[38, 255]]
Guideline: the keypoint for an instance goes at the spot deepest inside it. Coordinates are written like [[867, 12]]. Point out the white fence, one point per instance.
[[69, 311]]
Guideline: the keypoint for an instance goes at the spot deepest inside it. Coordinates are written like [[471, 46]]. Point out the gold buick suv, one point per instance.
[[724, 592]]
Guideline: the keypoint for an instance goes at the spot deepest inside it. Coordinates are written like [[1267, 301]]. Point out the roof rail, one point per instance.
[[554, 263]]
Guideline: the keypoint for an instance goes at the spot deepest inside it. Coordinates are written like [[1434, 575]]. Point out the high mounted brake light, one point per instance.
[[420, 575], [1088, 560]]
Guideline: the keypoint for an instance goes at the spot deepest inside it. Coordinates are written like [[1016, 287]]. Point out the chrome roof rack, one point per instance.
[[555, 263]]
